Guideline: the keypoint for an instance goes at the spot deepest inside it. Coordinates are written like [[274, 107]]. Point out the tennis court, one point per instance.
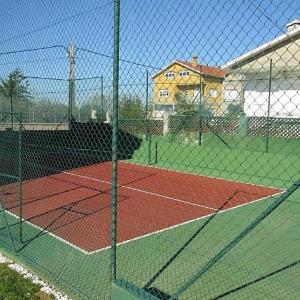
[[75, 205]]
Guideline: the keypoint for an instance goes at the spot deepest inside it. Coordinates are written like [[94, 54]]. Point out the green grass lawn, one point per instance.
[[14, 286], [272, 246]]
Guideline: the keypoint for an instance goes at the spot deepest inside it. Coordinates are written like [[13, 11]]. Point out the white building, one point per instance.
[[269, 74]]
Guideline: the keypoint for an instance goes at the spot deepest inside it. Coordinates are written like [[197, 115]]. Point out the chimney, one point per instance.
[[293, 25], [194, 61]]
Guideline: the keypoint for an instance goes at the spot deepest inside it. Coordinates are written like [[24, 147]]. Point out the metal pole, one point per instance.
[[101, 100], [11, 102], [269, 107], [149, 149], [33, 112], [147, 105], [115, 139], [200, 113], [71, 81], [20, 177]]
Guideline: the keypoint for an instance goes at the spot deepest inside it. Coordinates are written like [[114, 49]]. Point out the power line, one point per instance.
[[16, 37], [32, 49], [45, 78], [123, 60]]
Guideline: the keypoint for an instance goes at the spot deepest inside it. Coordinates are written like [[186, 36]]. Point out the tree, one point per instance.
[[184, 106], [233, 110], [131, 108], [14, 90]]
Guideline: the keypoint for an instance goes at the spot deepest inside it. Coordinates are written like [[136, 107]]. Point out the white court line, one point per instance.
[[47, 232], [200, 175], [184, 223], [150, 193], [142, 191]]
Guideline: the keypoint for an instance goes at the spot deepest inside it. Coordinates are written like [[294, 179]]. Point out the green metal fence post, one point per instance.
[[269, 107], [101, 99], [147, 105], [115, 139], [71, 81], [11, 101], [200, 112], [20, 174]]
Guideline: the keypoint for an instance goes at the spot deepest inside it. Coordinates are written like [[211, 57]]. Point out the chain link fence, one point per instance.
[[150, 150]]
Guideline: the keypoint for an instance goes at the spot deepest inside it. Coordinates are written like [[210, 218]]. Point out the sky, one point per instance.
[[153, 33]]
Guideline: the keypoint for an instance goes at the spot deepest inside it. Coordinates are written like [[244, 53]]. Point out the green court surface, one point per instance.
[[268, 256]]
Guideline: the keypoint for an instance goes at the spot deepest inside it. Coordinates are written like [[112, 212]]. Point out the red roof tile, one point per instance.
[[206, 70]]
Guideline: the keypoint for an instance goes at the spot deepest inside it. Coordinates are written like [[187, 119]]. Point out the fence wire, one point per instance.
[[150, 150]]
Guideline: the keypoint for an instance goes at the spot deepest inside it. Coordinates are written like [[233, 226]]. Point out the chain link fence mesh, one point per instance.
[[157, 149]]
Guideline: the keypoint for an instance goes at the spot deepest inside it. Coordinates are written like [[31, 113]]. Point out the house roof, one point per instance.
[[200, 69], [268, 47]]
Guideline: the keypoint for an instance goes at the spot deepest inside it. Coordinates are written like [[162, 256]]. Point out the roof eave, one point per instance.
[[187, 67], [287, 37]]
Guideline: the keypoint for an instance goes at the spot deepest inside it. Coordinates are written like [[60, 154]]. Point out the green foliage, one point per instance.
[[187, 106], [183, 105], [233, 110], [14, 92], [14, 287], [131, 108], [15, 86]]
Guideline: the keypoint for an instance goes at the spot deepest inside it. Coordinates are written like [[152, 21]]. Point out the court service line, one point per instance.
[[136, 238], [184, 223], [142, 191], [199, 175]]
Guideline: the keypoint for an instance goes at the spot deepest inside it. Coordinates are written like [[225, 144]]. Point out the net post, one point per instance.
[[156, 152], [115, 139], [149, 149]]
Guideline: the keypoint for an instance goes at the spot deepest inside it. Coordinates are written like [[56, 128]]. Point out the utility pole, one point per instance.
[[71, 82]]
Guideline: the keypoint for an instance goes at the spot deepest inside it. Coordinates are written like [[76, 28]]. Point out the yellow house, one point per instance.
[[185, 78]]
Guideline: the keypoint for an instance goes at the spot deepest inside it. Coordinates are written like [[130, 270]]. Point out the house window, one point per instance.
[[213, 93], [163, 93], [168, 107], [169, 75], [158, 107], [162, 107], [231, 95], [184, 73]]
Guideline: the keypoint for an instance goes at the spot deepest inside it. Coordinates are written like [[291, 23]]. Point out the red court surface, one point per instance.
[[75, 205]]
